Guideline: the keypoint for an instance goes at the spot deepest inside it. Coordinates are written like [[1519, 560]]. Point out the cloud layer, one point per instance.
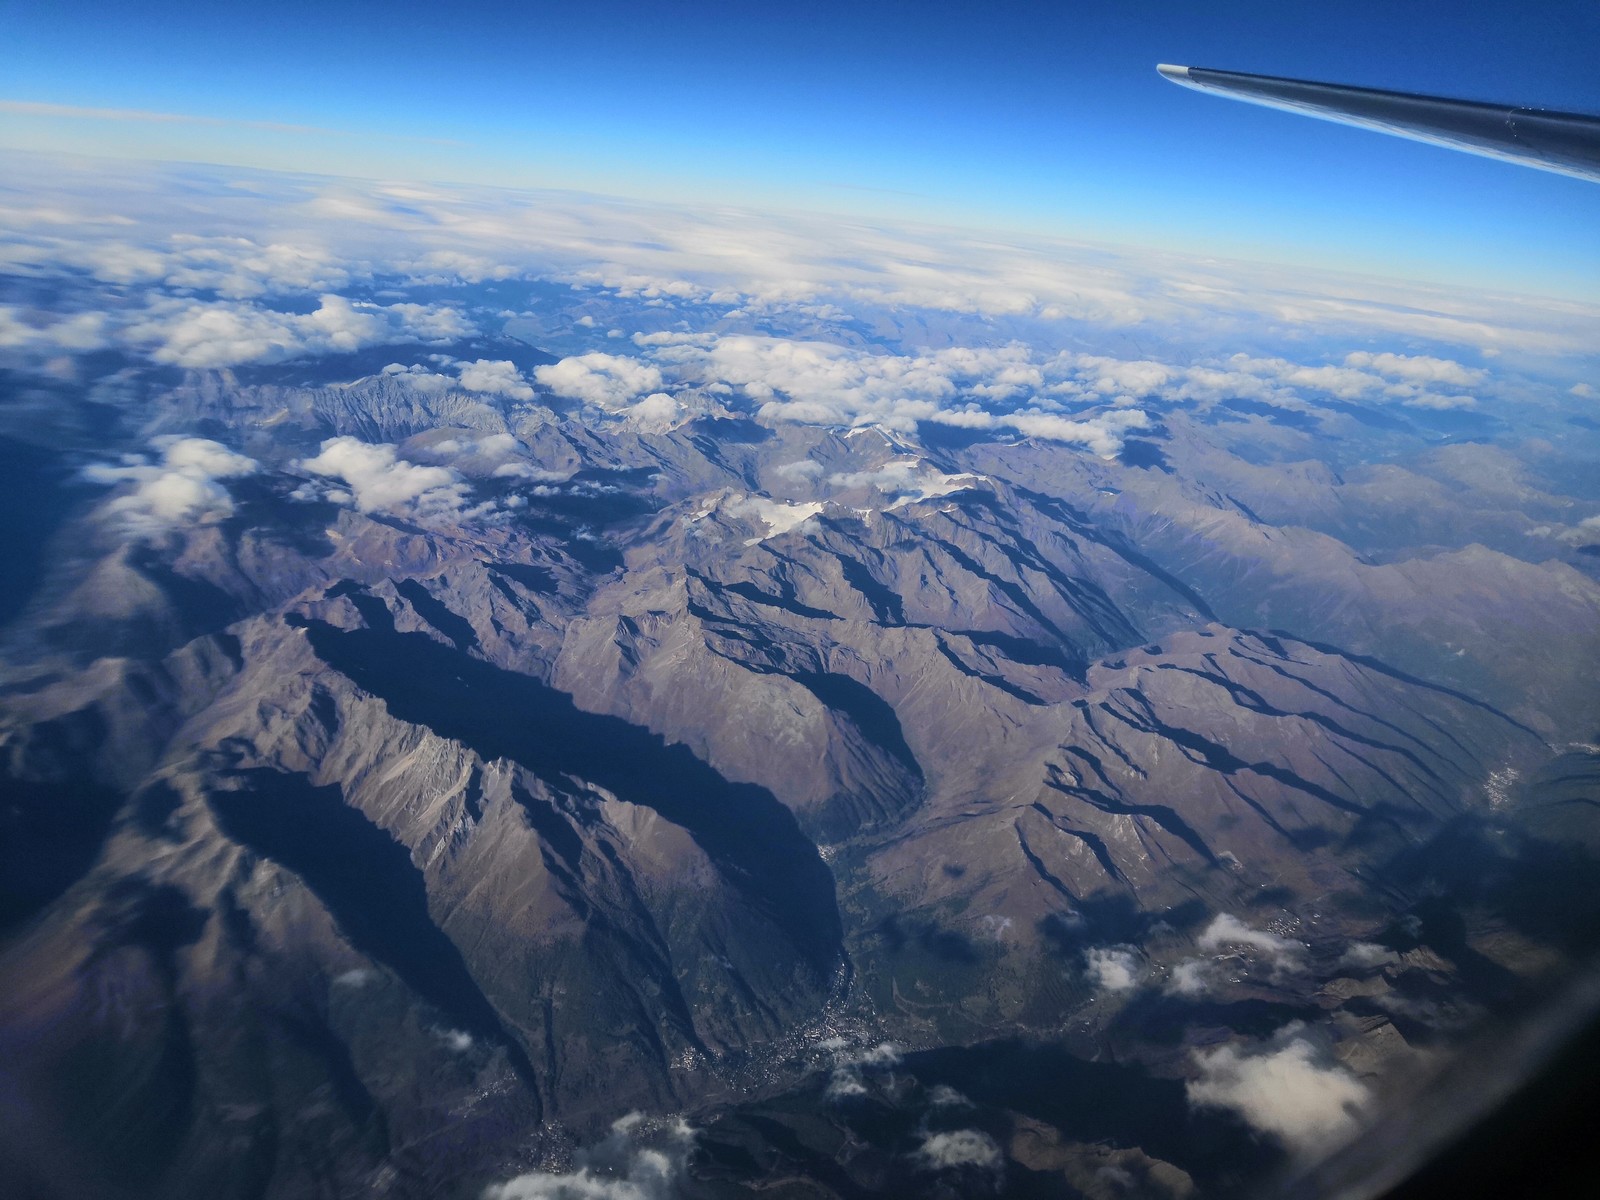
[[187, 333]]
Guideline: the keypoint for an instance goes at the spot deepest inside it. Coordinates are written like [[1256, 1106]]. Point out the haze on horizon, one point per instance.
[[1013, 117]]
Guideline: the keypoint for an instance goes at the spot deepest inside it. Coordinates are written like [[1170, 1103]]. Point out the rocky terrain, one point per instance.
[[407, 775]]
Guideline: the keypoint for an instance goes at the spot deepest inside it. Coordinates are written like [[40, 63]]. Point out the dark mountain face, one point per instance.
[[420, 759]]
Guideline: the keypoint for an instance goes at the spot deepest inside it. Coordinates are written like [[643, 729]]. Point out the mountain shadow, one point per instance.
[[744, 829], [368, 883]]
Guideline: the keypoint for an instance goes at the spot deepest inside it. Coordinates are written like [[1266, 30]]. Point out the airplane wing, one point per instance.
[[1567, 143]]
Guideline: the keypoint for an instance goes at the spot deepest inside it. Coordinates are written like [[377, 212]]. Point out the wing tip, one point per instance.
[[1174, 73]]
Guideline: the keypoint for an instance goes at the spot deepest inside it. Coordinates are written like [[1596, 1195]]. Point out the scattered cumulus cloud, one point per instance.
[[378, 480], [1367, 956], [500, 378], [1284, 1088], [639, 1160], [1234, 946], [958, 1148], [183, 488], [850, 1066], [1585, 533], [483, 376], [1417, 368], [1227, 933], [1113, 968], [1191, 977], [944, 1096], [237, 268], [50, 333], [608, 381], [821, 383], [215, 334], [803, 469]]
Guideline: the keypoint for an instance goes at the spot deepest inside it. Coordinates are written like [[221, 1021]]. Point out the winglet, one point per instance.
[[1567, 143], [1181, 76]]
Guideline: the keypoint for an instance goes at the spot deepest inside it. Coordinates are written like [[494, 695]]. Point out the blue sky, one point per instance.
[[1043, 116]]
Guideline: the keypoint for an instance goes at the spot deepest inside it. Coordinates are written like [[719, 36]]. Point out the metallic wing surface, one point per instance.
[[1567, 143]]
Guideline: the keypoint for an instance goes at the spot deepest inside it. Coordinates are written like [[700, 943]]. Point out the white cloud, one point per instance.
[[843, 1084], [803, 469], [1110, 377], [1417, 368], [849, 1066], [50, 333], [958, 1148], [198, 334], [1227, 933], [945, 1096], [1191, 977], [883, 1055], [638, 1160], [1282, 1089], [1102, 434], [1409, 380], [237, 268], [1585, 533], [1229, 939], [764, 263], [819, 383], [420, 378], [500, 378], [607, 381], [657, 411], [380, 481], [1113, 968], [522, 470], [182, 489], [1367, 955]]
